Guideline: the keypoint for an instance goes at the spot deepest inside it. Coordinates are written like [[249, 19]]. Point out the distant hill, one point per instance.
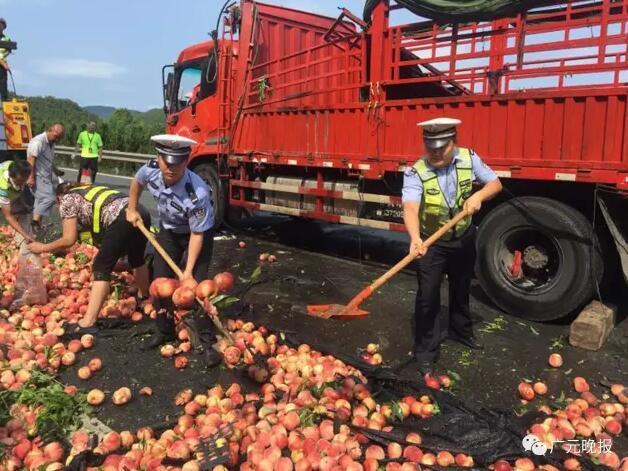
[[103, 112], [153, 116], [121, 129]]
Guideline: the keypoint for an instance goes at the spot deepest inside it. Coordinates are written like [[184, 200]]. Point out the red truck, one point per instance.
[[315, 117]]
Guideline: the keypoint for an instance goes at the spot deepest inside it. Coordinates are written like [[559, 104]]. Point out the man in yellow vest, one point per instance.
[[15, 208], [90, 143], [4, 65], [436, 188]]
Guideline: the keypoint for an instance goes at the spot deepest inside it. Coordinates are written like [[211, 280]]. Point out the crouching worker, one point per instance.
[[97, 215], [13, 178], [186, 231]]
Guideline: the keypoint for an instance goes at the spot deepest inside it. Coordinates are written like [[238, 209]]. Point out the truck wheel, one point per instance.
[[538, 258], [209, 173]]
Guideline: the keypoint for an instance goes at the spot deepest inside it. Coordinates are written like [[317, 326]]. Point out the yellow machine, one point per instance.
[[15, 126]]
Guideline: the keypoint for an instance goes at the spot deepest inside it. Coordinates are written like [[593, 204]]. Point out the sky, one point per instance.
[[112, 56]]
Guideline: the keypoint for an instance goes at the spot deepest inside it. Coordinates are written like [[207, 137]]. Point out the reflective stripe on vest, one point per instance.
[[435, 210], [5, 185], [98, 196]]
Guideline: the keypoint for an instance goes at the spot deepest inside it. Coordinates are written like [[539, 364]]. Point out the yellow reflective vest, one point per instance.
[[98, 196], [435, 210]]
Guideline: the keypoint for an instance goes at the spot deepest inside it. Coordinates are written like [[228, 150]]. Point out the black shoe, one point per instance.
[[425, 367], [470, 342], [211, 358], [156, 340]]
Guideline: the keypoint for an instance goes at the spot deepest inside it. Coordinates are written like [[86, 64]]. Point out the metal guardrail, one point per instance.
[[110, 155]]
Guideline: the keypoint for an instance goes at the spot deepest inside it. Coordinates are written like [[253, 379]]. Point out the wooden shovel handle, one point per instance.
[[151, 238], [404, 262]]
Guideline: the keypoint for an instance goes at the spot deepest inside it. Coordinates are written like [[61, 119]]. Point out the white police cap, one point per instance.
[[439, 131], [174, 149]]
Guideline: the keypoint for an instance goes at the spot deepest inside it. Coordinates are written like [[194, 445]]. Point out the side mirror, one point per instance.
[[167, 85]]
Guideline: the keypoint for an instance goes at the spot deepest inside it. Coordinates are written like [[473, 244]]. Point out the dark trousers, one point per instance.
[[176, 246], [118, 240], [4, 86], [456, 259], [89, 164]]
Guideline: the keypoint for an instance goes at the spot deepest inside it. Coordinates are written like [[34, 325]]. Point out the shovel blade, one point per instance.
[[340, 311]]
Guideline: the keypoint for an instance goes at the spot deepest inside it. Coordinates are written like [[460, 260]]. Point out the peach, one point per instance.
[[431, 381], [95, 364], [126, 439], [167, 351], [232, 355], [540, 388], [445, 458], [502, 465], [555, 360], [180, 362], [183, 297], [375, 452], [224, 281], [526, 391], [580, 384], [617, 389], [111, 442], [613, 427], [206, 289], [413, 453], [54, 451], [87, 341], [75, 346], [163, 288], [394, 450], [146, 391], [610, 459], [68, 358], [121, 396], [84, 372], [572, 464], [95, 397], [524, 464], [413, 438]]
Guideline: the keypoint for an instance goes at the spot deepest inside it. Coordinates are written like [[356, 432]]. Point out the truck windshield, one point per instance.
[[195, 82], [189, 86]]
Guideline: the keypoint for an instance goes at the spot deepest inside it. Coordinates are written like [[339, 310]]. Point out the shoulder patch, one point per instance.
[[199, 212], [153, 164]]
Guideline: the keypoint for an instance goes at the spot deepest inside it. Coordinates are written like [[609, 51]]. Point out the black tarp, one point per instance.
[[460, 11]]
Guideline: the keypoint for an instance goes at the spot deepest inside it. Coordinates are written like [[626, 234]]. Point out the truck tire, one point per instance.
[[538, 258], [209, 173]]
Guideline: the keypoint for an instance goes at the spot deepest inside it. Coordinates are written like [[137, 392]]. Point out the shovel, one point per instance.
[[352, 310], [173, 266]]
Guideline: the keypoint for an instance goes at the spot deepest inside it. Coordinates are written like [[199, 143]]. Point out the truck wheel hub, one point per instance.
[[535, 257]]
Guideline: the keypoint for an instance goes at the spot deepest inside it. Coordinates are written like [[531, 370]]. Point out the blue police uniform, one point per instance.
[[183, 207]]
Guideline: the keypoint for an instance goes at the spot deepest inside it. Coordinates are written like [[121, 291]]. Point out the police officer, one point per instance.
[[15, 209], [186, 226], [435, 188]]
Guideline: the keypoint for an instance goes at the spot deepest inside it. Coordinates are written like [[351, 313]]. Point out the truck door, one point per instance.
[[194, 104]]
